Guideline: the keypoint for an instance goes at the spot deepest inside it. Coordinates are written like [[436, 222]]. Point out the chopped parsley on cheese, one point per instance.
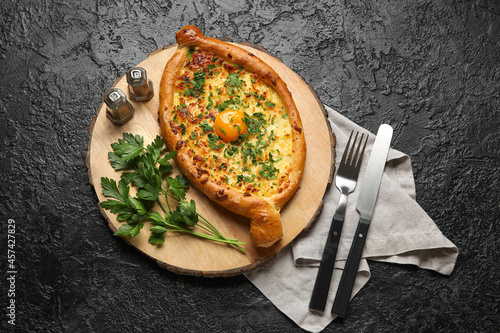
[[234, 125]]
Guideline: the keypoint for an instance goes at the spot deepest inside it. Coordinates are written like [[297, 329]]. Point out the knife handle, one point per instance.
[[350, 270], [324, 277]]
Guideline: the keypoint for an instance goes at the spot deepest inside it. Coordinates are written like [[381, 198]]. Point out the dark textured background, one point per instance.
[[429, 68]]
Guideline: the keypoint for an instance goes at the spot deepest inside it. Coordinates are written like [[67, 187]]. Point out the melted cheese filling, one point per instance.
[[259, 160]]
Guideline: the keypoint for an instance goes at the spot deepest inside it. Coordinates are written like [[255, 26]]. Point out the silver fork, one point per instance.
[[346, 179]]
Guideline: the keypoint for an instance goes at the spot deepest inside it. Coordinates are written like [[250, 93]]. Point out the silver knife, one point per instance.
[[365, 206]]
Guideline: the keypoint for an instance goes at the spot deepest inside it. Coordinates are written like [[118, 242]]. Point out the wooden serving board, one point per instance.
[[185, 254]]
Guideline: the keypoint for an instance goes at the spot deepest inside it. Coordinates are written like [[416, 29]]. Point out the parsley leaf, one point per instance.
[[231, 151], [205, 126], [157, 235], [186, 213], [125, 151], [233, 102], [251, 151], [178, 186], [129, 229], [127, 148], [269, 171], [149, 192], [110, 189], [255, 122], [196, 87], [270, 104], [213, 140], [233, 82]]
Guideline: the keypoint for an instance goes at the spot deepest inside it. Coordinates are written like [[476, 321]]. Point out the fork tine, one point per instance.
[[350, 159], [344, 155], [355, 159], [357, 164]]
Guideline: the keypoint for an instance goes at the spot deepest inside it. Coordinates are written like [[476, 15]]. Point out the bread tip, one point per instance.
[[188, 34]]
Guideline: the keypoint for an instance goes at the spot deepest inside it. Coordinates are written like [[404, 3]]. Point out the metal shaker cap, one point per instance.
[[115, 98], [137, 76]]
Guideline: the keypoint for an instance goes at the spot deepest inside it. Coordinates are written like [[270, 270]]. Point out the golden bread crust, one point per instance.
[[265, 222]]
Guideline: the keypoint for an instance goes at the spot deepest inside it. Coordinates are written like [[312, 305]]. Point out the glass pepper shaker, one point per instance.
[[139, 87]]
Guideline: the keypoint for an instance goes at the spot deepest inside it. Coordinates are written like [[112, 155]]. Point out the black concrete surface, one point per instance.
[[429, 68]]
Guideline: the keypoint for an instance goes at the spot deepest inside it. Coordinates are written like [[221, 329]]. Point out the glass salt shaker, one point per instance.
[[118, 108]]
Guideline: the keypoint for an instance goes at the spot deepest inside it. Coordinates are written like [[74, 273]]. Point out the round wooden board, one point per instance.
[[189, 255]]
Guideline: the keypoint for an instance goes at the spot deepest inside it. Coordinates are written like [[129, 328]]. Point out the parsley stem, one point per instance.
[[205, 225], [172, 196], [208, 229], [209, 225], [165, 193], [161, 206], [214, 238]]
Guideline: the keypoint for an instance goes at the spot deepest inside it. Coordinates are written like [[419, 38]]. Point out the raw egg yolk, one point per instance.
[[229, 125]]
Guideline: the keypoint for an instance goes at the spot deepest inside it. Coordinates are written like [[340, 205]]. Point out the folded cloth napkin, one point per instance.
[[400, 232]]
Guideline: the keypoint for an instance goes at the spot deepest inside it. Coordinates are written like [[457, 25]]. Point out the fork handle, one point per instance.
[[351, 269], [324, 277]]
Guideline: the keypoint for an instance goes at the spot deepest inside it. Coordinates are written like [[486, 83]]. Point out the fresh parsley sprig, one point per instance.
[[147, 170]]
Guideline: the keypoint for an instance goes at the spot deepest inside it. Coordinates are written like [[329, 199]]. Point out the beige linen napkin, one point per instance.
[[400, 232]]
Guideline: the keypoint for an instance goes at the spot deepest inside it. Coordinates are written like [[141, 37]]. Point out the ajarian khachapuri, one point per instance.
[[235, 127]]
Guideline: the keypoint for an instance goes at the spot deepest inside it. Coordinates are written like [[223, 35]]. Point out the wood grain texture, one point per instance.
[[185, 254]]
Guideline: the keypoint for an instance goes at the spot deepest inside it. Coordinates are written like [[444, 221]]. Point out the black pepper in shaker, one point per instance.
[[118, 109], [139, 87]]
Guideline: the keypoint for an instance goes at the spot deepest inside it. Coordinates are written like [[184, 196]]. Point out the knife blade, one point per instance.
[[365, 206]]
